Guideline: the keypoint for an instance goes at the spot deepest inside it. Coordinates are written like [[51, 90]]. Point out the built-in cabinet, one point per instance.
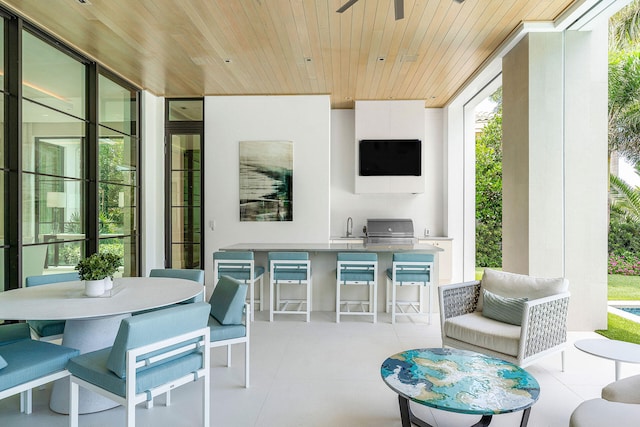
[[444, 258]]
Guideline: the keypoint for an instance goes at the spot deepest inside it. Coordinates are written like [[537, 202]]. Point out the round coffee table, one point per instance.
[[618, 351], [458, 381]]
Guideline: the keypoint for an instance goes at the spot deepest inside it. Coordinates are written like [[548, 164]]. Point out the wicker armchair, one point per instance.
[[543, 323]]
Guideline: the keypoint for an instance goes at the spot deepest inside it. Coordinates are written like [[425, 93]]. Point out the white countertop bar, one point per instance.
[[331, 247]]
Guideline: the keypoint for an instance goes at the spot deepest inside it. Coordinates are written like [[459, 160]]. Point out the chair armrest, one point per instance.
[[544, 324], [458, 299]]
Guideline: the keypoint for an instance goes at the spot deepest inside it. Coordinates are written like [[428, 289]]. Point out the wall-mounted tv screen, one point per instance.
[[390, 157]]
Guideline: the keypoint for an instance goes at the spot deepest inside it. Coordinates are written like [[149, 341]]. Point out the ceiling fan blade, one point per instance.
[[399, 9], [346, 6]]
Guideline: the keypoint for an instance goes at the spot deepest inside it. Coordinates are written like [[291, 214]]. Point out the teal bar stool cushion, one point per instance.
[[289, 270], [356, 272], [227, 301], [27, 360], [409, 272]]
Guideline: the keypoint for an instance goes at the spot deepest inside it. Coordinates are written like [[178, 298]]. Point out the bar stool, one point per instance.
[[289, 268], [357, 269], [409, 269], [240, 266]]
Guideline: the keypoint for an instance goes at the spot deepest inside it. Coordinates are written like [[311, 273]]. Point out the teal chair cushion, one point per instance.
[[227, 301], [14, 332], [220, 332], [47, 328], [148, 328], [92, 367], [179, 273], [51, 278], [3, 363], [28, 360]]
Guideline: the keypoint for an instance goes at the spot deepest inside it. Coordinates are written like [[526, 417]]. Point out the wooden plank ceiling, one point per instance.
[[189, 48]]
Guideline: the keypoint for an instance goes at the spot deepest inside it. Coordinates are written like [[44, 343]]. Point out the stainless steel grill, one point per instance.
[[389, 231]]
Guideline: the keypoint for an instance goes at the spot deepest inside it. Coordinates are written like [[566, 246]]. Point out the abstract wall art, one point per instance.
[[266, 181]]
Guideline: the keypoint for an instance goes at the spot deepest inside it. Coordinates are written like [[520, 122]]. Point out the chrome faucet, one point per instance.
[[349, 227]]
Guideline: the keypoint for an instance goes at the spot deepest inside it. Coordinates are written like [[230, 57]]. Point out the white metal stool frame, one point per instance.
[[218, 270], [408, 267], [372, 303], [293, 265]]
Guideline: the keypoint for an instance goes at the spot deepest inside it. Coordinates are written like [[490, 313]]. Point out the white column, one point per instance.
[[554, 165]]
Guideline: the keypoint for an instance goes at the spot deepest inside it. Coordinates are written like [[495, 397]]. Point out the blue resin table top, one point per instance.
[[460, 381]]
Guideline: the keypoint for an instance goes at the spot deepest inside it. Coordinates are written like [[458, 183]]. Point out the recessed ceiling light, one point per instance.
[[308, 59], [84, 2], [381, 58], [227, 61]]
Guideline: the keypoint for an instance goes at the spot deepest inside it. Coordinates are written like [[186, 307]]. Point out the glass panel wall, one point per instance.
[[3, 166], [118, 179], [54, 141]]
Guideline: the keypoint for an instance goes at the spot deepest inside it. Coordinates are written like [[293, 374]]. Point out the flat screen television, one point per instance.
[[390, 157]]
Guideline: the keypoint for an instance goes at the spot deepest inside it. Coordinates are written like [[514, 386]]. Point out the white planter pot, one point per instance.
[[108, 283], [94, 288]]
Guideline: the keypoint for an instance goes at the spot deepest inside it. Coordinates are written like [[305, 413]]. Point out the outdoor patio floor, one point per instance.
[[327, 374]]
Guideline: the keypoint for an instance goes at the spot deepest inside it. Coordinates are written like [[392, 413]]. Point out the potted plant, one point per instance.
[[92, 270], [113, 262]]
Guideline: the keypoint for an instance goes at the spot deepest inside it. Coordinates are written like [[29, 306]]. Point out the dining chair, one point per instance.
[[409, 269], [360, 269], [26, 363], [49, 330], [225, 320], [152, 353], [241, 266], [195, 275], [289, 268]]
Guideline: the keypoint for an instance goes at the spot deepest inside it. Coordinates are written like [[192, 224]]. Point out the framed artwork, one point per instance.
[[266, 181]]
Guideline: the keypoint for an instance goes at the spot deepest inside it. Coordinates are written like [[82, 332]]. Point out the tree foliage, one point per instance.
[[489, 190], [624, 103]]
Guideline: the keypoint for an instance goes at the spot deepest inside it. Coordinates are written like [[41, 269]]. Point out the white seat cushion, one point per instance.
[[475, 329], [513, 285], [626, 390], [600, 412]]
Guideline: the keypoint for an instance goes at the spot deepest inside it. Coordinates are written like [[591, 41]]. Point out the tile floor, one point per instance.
[[327, 374]]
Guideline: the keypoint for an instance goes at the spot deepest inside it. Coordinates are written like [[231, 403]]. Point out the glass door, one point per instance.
[[184, 136]]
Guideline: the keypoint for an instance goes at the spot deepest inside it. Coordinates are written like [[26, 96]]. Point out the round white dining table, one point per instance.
[[91, 322]]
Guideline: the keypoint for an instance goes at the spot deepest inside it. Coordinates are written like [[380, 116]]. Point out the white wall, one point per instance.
[[152, 203], [305, 120], [426, 209]]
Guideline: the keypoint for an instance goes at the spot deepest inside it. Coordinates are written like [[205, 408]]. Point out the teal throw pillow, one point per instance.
[[503, 309]]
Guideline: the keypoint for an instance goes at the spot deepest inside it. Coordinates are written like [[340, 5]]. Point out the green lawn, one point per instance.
[[622, 288]]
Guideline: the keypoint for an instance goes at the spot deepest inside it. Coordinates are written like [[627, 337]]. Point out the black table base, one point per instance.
[[409, 419]]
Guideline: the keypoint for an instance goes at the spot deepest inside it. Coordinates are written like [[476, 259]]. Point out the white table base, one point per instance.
[[86, 335]]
